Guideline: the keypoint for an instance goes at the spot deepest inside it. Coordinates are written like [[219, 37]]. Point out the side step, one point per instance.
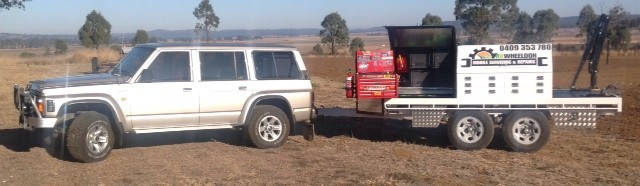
[[188, 128]]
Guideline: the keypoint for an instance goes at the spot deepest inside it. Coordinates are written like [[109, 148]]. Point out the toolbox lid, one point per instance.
[[437, 37]]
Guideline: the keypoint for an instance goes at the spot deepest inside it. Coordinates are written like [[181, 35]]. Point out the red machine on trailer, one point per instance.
[[375, 79]]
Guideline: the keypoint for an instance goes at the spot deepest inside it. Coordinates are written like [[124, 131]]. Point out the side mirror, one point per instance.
[[147, 75]]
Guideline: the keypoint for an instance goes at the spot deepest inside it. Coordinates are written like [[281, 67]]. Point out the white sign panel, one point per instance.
[[505, 58]]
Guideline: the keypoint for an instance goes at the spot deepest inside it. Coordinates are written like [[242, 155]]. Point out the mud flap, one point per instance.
[[309, 133]]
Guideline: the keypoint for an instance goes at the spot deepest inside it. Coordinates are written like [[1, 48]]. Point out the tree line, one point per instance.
[[477, 17]]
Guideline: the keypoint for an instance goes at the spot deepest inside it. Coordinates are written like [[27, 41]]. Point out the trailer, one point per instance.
[[428, 79]]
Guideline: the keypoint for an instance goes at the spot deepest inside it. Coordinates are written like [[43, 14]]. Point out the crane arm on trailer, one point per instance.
[[592, 51]]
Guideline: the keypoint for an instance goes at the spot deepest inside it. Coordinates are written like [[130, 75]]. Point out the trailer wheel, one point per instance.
[[470, 130], [526, 131]]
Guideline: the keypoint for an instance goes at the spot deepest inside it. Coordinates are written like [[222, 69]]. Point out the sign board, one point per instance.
[[513, 71], [505, 58]]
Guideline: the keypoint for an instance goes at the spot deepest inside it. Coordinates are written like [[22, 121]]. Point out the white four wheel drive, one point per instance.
[[264, 89]]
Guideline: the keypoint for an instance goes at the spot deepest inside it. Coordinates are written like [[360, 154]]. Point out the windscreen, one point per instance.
[[130, 64]]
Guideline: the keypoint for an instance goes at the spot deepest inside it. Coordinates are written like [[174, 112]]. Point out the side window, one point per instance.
[[215, 66], [275, 65], [169, 67]]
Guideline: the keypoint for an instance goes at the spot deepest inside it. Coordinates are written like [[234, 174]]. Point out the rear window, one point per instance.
[[275, 65], [217, 66]]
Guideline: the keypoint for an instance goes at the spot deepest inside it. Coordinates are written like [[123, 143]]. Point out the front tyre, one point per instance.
[[90, 137], [470, 130], [526, 131], [268, 127]]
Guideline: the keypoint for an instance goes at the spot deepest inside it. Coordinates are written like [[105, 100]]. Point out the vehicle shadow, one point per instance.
[[16, 139], [388, 130], [20, 140], [372, 129], [227, 136]]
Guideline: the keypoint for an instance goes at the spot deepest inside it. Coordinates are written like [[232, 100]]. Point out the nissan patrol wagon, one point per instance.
[[263, 89]]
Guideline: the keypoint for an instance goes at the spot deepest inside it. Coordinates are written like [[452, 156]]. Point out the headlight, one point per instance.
[[51, 106]]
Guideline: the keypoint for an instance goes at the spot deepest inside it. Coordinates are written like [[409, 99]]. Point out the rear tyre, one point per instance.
[[526, 131], [470, 130], [90, 137], [268, 127]]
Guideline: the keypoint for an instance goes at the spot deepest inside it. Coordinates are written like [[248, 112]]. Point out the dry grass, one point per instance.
[[76, 56], [17, 70]]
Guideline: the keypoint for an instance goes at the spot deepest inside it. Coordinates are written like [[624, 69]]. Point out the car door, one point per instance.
[[223, 86], [165, 94]]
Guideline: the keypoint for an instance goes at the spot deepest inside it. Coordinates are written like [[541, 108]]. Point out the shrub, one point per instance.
[[27, 55], [317, 49], [61, 46]]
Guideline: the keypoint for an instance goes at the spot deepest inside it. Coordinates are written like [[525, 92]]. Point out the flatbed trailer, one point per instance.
[[472, 88], [567, 108]]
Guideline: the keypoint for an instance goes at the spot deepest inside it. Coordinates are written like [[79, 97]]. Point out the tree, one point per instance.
[[317, 49], [478, 15], [8, 4], [140, 38], [507, 25], [204, 12], [545, 22], [524, 29], [586, 19], [356, 44], [335, 33], [61, 46], [431, 20], [619, 28], [96, 31], [636, 23], [539, 29]]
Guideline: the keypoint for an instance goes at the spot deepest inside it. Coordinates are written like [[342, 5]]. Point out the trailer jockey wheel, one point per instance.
[[526, 131], [470, 130]]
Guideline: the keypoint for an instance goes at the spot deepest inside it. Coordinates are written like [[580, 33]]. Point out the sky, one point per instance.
[[67, 16]]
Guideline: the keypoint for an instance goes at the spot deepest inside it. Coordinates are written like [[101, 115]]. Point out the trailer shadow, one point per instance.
[[389, 130]]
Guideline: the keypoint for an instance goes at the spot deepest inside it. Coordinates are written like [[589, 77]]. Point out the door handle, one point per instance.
[[242, 88], [186, 89]]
